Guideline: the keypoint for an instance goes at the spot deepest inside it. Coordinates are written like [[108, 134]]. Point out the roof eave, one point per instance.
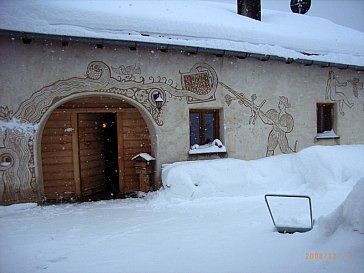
[[164, 47]]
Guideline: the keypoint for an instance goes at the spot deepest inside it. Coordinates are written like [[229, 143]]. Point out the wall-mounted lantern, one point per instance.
[[158, 100]]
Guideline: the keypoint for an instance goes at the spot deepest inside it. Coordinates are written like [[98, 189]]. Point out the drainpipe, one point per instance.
[[250, 8]]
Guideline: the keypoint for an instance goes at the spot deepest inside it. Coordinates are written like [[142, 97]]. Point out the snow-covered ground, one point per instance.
[[189, 23], [211, 217]]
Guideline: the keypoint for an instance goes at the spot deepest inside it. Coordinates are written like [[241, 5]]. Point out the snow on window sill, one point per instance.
[[327, 135], [212, 148]]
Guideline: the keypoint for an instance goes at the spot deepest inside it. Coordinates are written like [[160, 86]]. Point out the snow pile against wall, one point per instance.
[[349, 214], [312, 170], [159, 234]]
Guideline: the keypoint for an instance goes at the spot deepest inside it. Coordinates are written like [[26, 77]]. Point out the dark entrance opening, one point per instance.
[[99, 156], [111, 153]]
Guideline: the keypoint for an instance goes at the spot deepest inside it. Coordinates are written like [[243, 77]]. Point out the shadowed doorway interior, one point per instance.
[[98, 155], [111, 153]]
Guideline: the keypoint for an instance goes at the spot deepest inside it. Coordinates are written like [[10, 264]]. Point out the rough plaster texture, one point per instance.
[[27, 68]]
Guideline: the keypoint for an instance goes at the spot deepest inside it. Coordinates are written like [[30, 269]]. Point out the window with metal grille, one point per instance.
[[204, 126], [325, 117]]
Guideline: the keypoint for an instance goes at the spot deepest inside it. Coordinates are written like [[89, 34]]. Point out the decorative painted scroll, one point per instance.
[[5, 113], [202, 81], [127, 72], [198, 85], [281, 121], [31, 110], [17, 167]]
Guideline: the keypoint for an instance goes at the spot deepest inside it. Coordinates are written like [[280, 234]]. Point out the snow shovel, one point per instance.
[[293, 213]]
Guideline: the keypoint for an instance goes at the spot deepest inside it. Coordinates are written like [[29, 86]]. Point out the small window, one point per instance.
[[204, 126], [325, 117]]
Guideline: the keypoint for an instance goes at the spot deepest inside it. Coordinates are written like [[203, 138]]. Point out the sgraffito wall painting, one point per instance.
[[198, 85], [195, 85], [281, 121], [17, 167], [336, 91]]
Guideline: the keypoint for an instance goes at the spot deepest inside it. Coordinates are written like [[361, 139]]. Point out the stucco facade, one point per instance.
[[266, 107]]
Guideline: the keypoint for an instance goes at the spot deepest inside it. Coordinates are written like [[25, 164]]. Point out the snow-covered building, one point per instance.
[[86, 86]]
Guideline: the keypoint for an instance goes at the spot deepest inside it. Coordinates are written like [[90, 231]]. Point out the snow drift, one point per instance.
[[313, 170], [161, 233], [349, 214]]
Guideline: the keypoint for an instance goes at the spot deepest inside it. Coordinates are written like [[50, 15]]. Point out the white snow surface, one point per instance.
[[327, 134], [221, 225], [196, 23], [22, 128], [145, 156], [349, 213], [215, 146], [312, 170]]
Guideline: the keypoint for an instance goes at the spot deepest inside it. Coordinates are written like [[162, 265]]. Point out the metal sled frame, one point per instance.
[[282, 229]]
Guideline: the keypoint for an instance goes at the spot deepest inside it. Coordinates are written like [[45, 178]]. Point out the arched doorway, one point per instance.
[[86, 148]]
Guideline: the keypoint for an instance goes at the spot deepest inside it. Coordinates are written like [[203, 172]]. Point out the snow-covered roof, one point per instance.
[[192, 23]]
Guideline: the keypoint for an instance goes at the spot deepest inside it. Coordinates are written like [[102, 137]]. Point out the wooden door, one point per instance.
[[73, 149], [91, 153], [57, 157], [133, 138]]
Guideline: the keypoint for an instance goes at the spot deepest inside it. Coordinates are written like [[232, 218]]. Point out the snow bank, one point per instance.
[[349, 214], [207, 234], [313, 170]]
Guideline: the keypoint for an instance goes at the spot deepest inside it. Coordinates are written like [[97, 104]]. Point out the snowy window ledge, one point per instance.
[[327, 135], [212, 148]]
